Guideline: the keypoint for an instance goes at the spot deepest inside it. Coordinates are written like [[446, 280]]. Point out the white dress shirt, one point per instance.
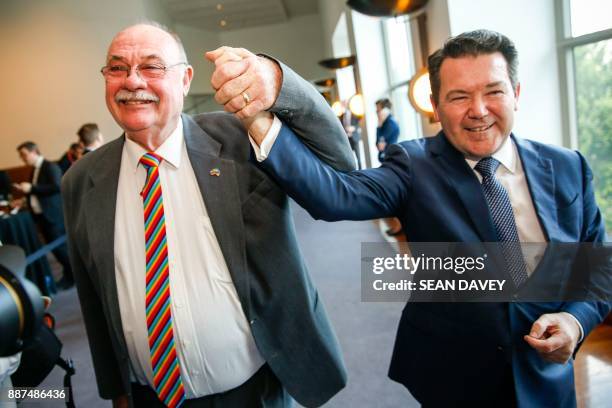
[[34, 203], [213, 340]]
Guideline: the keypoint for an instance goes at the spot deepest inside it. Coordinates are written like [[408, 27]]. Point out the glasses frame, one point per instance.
[[130, 68]]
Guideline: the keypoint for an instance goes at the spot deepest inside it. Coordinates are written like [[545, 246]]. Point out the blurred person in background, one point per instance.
[[90, 137], [74, 153], [44, 198]]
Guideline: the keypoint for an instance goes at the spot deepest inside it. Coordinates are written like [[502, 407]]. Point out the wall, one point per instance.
[[196, 43]]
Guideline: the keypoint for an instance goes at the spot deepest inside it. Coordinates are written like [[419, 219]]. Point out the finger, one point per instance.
[[251, 110], [539, 326], [243, 52], [233, 89], [227, 72], [548, 345], [226, 57], [236, 104], [216, 53]]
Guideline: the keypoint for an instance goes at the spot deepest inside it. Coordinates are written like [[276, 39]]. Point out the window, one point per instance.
[[400, 68], [586, 66]]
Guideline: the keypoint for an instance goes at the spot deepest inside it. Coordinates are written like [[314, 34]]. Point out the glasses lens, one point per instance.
[[150, 71], [115, 71]]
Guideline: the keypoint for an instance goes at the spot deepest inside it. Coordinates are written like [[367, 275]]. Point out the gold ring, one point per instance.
[[246, 97]]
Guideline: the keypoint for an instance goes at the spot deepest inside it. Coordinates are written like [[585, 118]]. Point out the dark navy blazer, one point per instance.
[[460, 353]]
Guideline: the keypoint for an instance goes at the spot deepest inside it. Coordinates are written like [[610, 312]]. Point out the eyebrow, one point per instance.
[[455, 91], [462, 92], [123, 59], [494, 84]]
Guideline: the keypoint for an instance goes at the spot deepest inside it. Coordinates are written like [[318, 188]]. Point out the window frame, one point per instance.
[[567, 76]]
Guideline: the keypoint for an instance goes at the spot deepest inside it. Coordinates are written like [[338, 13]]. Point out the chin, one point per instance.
[[134, 123]]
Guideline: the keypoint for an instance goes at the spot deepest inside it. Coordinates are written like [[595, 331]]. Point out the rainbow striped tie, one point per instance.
[[165, 363]]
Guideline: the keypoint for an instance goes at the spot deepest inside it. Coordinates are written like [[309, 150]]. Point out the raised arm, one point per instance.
[[331, 195]]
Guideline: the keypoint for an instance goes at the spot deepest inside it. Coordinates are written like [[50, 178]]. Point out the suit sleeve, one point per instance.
[[589, 314], [108, 375], [331, 195], [51, 181], [302, 108]]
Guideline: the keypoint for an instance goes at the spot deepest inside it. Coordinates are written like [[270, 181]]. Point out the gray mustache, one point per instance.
[[125, 96]]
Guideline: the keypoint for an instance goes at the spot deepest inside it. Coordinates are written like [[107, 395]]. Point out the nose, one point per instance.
[[478, 108], [133, 80]]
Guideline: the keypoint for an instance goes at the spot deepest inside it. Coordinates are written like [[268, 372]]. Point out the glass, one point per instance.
[[399, 55], [593, 76], [145, 71], [407, 117], [590, 16]]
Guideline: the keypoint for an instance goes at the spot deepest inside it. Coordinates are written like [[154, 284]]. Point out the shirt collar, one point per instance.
[[170, 150], [506, 155], [39, 162]]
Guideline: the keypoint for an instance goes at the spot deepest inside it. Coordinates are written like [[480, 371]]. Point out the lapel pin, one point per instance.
[[215, 172]]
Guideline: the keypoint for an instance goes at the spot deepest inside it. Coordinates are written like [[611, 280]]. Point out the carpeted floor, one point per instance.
[[365, 330]]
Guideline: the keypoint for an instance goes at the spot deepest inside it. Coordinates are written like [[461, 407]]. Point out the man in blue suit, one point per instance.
[[475, 181]]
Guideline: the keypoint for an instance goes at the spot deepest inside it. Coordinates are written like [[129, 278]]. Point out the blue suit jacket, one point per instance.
[[460, 353]]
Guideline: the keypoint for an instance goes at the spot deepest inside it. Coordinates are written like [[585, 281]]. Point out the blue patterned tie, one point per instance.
[[503, 219]]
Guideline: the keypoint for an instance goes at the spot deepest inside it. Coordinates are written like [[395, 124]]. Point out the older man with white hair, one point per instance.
[[191, 283]]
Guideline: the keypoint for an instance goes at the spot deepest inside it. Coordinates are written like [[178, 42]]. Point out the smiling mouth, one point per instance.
[[479, 128], [132, 102]]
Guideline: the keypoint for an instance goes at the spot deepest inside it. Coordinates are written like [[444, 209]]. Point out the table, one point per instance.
[[20, 230]]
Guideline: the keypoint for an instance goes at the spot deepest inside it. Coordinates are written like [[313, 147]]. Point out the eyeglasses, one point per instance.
[[144, 71]]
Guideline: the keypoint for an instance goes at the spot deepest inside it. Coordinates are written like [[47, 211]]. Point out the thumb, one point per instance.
[[214, 54], [540, 326]]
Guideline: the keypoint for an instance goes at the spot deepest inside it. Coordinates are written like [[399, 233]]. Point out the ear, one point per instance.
[[517, 92], [187, 78], [435, 108]]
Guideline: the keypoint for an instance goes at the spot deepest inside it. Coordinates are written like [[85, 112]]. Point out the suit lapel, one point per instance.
[[539, 174], [218, 183], [100, 204], [466, 185]]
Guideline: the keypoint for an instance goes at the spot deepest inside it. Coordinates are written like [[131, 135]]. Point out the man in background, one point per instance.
[[387, 131], [45, 201], [74, 153], [90, 137]]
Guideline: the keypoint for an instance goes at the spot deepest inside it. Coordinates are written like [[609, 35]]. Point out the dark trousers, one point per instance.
[[51, 231], [262, 390], [503, 397]]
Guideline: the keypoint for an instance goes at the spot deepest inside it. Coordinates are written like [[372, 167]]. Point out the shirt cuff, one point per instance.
[[579, 325], [262, 151]]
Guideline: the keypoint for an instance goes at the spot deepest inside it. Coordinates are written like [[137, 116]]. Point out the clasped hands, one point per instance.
[[246, 85]]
